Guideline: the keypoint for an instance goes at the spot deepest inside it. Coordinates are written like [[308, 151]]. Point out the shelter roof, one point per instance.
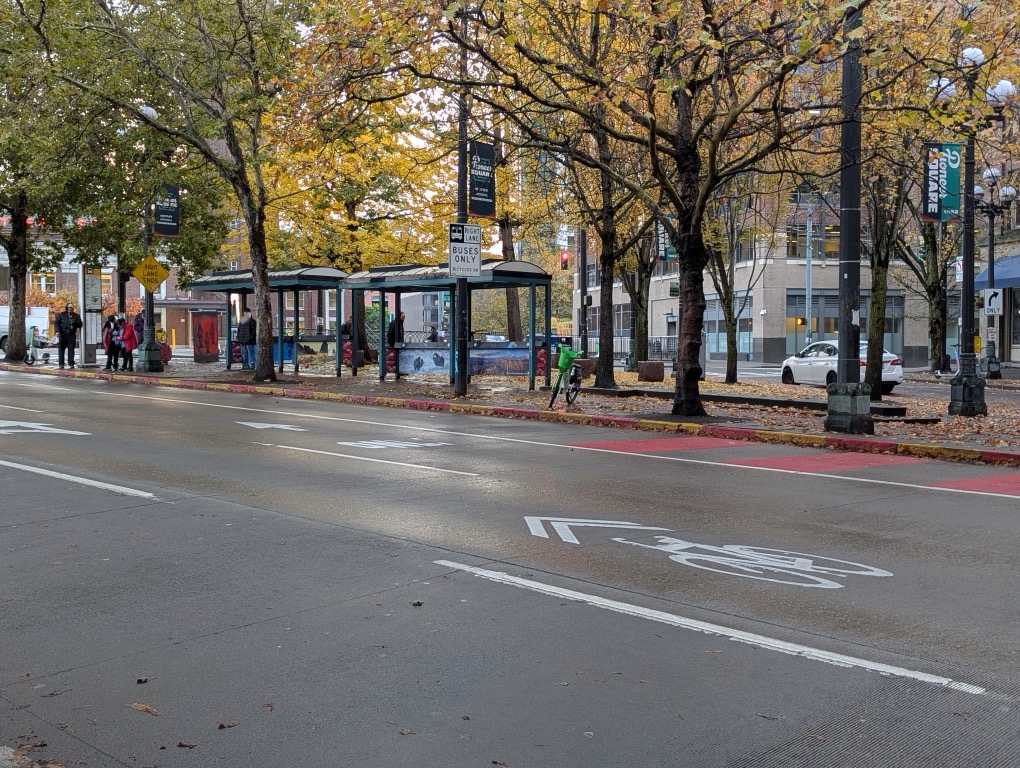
[[242, 281], [495, 273]]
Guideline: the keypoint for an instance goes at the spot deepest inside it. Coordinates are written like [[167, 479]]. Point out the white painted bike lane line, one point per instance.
[[683, 622]]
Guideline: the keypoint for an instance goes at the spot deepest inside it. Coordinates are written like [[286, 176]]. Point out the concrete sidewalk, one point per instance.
[[744, 416]]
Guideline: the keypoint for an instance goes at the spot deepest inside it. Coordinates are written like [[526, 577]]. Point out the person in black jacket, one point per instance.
[[68, 323], [395, 333], [246, 337]]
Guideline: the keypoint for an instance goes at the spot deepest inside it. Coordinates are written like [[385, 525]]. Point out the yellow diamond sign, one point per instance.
[[150, 273]]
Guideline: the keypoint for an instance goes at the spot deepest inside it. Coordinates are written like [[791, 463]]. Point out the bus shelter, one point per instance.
[[531, 356], [241, 282]]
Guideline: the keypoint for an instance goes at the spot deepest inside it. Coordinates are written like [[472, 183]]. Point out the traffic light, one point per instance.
[[564, 259]]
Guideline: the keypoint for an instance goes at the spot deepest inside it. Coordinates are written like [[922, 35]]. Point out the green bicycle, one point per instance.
[[570, 374]]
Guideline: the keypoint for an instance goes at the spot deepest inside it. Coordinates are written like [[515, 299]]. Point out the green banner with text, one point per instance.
[[941, 182]]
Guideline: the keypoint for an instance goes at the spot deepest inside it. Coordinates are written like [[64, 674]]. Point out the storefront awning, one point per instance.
[[1007, 274]]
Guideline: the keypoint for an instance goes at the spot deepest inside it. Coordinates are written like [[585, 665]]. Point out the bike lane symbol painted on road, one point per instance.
[[762, 563]]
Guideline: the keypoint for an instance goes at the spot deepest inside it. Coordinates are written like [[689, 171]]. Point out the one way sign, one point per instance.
[[993, 301]]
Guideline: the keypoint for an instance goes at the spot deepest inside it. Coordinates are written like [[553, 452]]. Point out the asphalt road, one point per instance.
[[202, 578]]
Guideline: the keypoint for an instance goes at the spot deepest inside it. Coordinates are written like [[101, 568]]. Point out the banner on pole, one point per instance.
[[168, 212], [941, 182], [482, 180]]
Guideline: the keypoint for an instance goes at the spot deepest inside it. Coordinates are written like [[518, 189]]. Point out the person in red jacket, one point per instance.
[[128, 343]]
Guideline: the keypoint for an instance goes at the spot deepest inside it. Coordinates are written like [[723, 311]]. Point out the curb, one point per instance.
[[746, 434]]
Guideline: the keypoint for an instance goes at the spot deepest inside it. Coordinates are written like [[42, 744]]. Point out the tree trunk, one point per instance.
[[731, 342], [604, 375], [639, 320], [687, 398], [253, 209], [876, 324], [17, 257]]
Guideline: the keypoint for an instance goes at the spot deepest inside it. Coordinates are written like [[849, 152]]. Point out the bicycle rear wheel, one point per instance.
[[556, 389]]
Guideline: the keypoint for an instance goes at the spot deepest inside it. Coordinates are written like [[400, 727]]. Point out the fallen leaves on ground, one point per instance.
[[999, 430], [147, 708]]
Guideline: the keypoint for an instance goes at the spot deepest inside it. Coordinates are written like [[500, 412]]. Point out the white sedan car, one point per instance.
[[816, 364]]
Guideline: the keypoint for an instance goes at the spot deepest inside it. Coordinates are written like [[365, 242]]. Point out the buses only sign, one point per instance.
[[465, 250]]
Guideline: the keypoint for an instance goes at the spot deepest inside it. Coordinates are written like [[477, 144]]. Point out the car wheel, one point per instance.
[[887, 387], [788, 376], [830, 377]]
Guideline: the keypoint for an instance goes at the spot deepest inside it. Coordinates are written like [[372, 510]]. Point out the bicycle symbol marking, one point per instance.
[[775, 565]]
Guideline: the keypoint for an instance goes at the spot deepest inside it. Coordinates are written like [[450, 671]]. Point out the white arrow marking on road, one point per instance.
[[562, 526], [14, 427], [261, 425]]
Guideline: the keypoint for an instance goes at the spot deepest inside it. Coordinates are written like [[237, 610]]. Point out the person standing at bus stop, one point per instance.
[[246, 337], [68, 323], [128, 344], [395, 333]]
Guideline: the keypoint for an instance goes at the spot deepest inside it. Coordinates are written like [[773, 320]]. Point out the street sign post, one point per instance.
[[465, 250]]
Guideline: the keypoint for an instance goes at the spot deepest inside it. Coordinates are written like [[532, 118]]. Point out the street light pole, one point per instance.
[[991, 207], [149, 358], [807, 269], [460, 324], [967, 388], [849, 401]]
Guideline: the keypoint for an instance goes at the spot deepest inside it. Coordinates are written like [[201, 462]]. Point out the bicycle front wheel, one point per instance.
[[571, 392]]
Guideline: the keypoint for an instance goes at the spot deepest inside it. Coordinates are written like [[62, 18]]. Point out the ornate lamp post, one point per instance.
[[967, 388], [991, 208]]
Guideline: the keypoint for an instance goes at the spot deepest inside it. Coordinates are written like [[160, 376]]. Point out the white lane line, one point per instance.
[[378, 461], [761, 641], [80, 480], [540, 443], [16, 408]]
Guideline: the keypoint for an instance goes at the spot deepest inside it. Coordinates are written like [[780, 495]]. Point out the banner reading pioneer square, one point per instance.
[[941, 182], [482, 180]]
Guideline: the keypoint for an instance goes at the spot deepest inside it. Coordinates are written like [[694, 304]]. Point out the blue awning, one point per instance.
[[1007, 274]]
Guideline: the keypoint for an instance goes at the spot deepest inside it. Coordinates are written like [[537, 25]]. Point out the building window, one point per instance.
[[743, 249], [45, 282], [824, 242], [715, 324], [623, 318]]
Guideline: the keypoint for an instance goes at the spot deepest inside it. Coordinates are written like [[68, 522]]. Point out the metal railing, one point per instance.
[[659, 347]]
